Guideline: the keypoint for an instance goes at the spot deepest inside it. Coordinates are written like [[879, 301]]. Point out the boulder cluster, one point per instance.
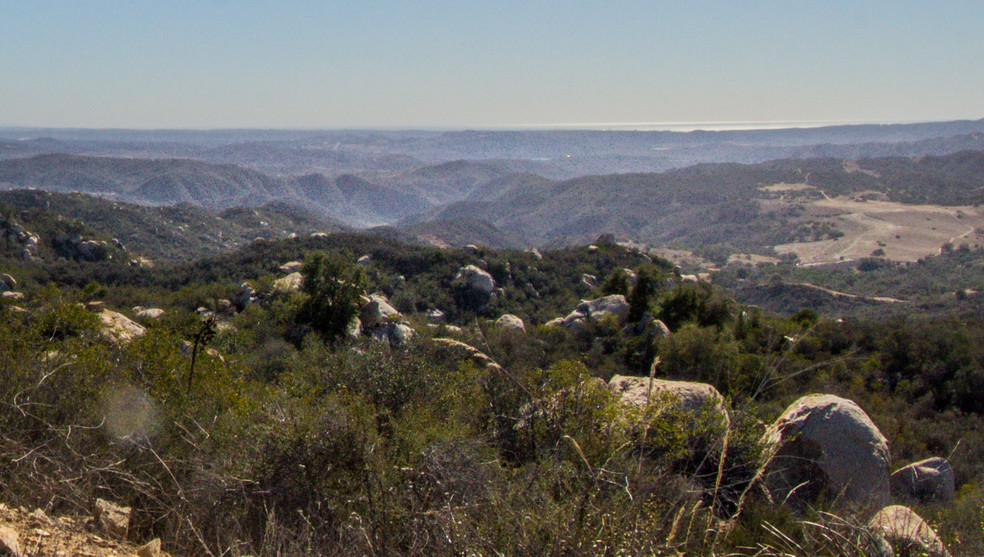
[[614, 307], [74, 246], [17, 233], [826, 447]]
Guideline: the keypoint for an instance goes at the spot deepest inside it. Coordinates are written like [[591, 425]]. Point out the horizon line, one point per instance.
[[667, 126]]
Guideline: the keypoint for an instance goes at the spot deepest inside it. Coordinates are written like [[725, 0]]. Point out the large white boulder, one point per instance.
[[826, 446], [510, 321], [927, 480], [687, 395], [476, 279], [118, 328], [148, 313]]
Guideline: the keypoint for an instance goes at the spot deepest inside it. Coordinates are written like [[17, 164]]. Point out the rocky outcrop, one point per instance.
[[7, 282], [648, 326], [510, 322], [147, 313], [118, 328], [906, 532], [111, 519], [289, 283], [150, 549], [9, 542], [13, 296], [476, 279], [377, 311], [16, 233], [397, 335], [826, 446], [291, 267], [688, 396], [74, 246], [381, 321], [614, 306], [245, 296], [927, 481], [353, 331], [435, 316]]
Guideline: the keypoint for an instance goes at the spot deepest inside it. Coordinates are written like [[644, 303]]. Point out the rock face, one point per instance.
[[907, 532], [615, 306], [291, 267], [245, 296], [383, 322], [435, 316], [397, 335], [648, 326], [927, 480], [510, 321], [118, 328], [73, 246], [476, 279], [289, 283], [690, 396], [377, 311], [827, 446], [7, 282], [150, 549], [148, 313], [9, 543], [111, 518]]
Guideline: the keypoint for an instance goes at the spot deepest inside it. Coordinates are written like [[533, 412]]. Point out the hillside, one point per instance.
[[745, 206], [153, 182], [159, 233], [618, 403]]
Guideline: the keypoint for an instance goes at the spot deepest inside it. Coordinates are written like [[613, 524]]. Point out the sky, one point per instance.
[[482, 64]]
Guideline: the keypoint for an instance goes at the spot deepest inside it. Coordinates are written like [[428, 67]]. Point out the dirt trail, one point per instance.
[[839, 294]]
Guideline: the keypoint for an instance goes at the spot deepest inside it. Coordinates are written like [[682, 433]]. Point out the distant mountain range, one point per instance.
[[506, 188]]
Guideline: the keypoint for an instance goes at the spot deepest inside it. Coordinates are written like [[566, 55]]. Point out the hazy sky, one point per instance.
[[363, 63]]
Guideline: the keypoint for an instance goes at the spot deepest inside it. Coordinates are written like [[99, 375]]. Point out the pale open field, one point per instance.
[[903, 232]]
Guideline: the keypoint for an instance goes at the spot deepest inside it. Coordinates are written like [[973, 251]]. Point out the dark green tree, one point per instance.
[[333, 289], [642, 293]]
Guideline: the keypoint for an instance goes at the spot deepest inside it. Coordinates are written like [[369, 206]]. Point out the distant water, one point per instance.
[[695, 126]]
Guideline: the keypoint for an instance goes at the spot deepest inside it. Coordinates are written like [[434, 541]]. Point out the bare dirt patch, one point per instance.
[[786, 187], [851, 165], [751, 258], [895, 231], [36, 534]]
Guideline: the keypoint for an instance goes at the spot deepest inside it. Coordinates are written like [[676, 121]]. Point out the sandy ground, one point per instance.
[[904, 232], [39, 535]]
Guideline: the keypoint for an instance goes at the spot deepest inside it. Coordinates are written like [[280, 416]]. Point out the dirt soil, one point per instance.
[[42, 536], [902, 232]]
